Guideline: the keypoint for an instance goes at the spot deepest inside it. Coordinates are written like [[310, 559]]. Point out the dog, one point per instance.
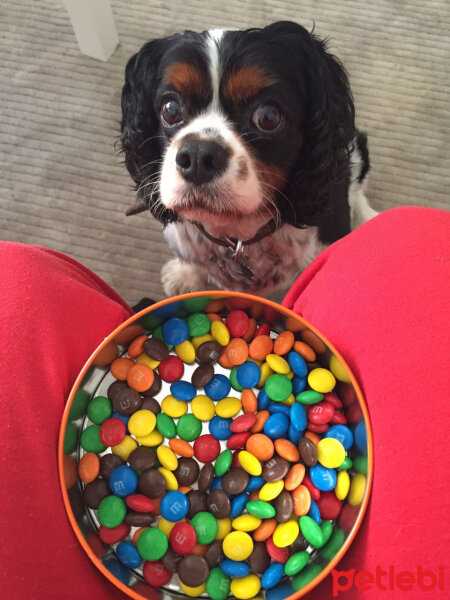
[[243, 145]]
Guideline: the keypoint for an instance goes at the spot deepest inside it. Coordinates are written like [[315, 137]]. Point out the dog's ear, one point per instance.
[[328, 130]]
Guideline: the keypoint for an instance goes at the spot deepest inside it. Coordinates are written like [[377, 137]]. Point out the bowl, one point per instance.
[[94, 381]]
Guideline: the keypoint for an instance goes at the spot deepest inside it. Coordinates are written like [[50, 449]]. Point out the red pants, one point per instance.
[[381, 295]]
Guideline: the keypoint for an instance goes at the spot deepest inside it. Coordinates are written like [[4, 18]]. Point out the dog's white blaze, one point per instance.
[[212, 48]]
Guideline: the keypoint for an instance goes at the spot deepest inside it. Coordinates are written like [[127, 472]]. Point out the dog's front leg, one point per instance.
[[179, 277]]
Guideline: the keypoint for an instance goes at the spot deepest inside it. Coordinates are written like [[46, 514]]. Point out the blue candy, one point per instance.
[[183, 390], [276, 407], [272, 576], [220, 428], [342, 433], [248, 374], [175, 331], [123, 481], [235, 568], [167, 311], [218, 388], [263, 400], [128, 555], [255, 483], [324, 479], [117, 569], [298, 385], [238, 504], [174, 506], [216, 483], [360, 433], [123, 418], [297, 363], [295, 435], [314, 512], [276, 426], [299, 418], [280, 592]]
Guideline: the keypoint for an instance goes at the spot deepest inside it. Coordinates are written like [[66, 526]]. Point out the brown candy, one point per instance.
[[95, 491], [193, 570], [127, 401], [259, 559], [171, 559], [156, 349], [155, 388], [109, 462], [300, 544], [202, 375], [152, 483], [115, 388], [235, 481], [209, 352], [219, 504], [275, 469], [187, 471], [206, 476], [284, 506], [151, 404], [197, 502], [142, 458], [308, 452], [139, 519], [214, 555]]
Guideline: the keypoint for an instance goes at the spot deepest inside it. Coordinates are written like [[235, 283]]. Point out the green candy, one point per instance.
[[150, 321], [152, 544], [70, 438], [309, 397], [218, 584], [111, 511], [198, 324], [306, 576], [78, 408], [158, 334], [166, 425], [332, 547], [99, 409], [90, 440], [196, 304], [296, 563], [189, 427], [205, 526], [311, 530], [233, 380], [223, 462], [346, 465], [260, 509], [360, 464], [278, 387], [327, 530]]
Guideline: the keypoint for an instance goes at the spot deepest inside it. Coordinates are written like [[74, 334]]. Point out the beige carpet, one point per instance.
[[61, 185]]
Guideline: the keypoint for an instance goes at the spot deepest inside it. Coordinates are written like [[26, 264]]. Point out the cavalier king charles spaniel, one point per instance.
[[243, 145]]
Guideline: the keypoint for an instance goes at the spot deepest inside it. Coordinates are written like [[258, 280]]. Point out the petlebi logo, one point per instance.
[[389, 579]]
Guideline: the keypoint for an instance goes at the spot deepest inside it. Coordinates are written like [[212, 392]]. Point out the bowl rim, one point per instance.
[[228, 294]]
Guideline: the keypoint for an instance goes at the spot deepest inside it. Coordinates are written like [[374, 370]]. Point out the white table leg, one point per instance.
[[94, 27]]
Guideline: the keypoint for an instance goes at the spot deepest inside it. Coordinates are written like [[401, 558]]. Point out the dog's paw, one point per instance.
[[179, 277]]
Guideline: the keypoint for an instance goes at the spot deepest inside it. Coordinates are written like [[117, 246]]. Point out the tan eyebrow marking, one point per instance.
[[186, 78], [247, 82]]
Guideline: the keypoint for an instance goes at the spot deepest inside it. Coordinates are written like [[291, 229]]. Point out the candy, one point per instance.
[[237, 545], [218, 584], [324, 479], [183, 390], [111, 511], [152, 544], [141, 423], [205, 526], [260, 509], [250, 463], [123, 481], [235, 568], [321, 380], [278, 387], [245, 588], [218, 504], [203, 408], [189, 427], [330, 453], [218, 388], [248, 374]]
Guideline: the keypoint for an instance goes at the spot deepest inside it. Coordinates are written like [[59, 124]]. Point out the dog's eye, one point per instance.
[[267, 117], [171, 113]]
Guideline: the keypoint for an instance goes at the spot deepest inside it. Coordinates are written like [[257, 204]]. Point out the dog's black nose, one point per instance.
[[200, 161]]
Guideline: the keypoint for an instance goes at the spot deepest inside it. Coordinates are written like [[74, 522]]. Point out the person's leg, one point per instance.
[[382, 297], [54, 313]]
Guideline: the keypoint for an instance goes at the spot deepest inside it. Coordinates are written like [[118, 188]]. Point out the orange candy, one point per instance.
[[283, 343], [302, 500], [253, 495], [140, 377], [287, 450], [265, 530], [252, 325], [261, 418], [137, 346], [181, 447], [70, 470], [89, 467], [184, 489], [214, 317], [306, 351], [237, 351], [157, 502], [260, 445], [249, 401], [120, 368], [260, 347], [294, 477], [200, 549], [215, 305], [224, 361], [137, 533], [106, 355], [312, 340], [127, 335], [313, 437]]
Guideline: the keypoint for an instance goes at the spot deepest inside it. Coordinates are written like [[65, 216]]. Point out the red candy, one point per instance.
[[315, 428], [112, 535], [241, 303], [280, 555], [95, 544], [243, 423], [237, 323], [348, 517], [333, 399], [321, 413], [330, 507], [156, 573], [146, 591], [206, 448], [313, 491], [112, 431], [338, 419], [171, 369], [263, 329], [238, 440], [183, 538], [139, 503], [235, 464]]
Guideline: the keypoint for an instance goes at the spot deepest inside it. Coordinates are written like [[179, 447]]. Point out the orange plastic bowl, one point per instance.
[[94, 380]]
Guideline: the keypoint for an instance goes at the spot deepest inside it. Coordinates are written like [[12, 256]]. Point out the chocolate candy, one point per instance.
[[151, 404], [156, 349], [214, 555], [108, 462], [193, 570], [209, 352], [139, 519], [95, 491], [171, 559], [202, 375], [275, 469], [206, 476], [126, 401], [197, 503], [152, 483], [142, 458], [235, 481], [115, 388], [259, 559], [308, 452], [155, 388], [284, 506], [187, 471], [219, 504]]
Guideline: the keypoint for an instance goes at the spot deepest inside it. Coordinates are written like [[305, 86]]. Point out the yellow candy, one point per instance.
[[285, 534], [166, 526], [290, 375], [125, 448], [193, 592], [237, 545], [152, 439], [266, 371], [167, 458], [289, 401], [228, 407], [246, 523], [141, 423], [203, 408], [321, 380], [186, 351], [342, 485], [337, 368], [246, 587], [224, 528], [250, 463], [144, 359], [173, 408], [220, 332], [201, 339], [330, 453], [269, 491], [357, 489], [171, 480], [278, 364]]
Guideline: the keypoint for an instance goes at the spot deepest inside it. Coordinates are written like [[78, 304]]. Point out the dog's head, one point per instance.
[[233, 127]]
